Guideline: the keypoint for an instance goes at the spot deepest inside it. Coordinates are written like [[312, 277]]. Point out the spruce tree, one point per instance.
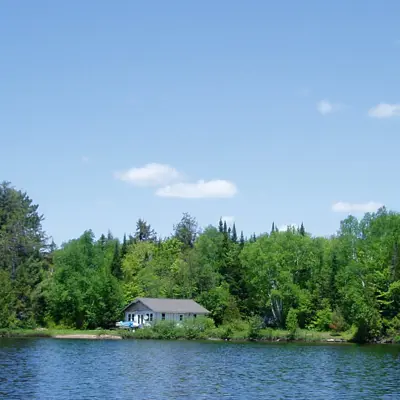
[[221, 226], [234, 237], [124, 247], [273, 227], [116, 263], [241, 242], [302, 231]]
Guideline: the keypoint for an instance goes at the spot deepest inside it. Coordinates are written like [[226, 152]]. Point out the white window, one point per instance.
[[163, 317], [151, 317], [129, 317], [181, 317]]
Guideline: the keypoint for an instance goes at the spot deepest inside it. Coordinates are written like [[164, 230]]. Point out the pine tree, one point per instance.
[[124, 247], [116, 263], [221, 226], [144, 232], [234, 237], [225, 228], [302, 231], [102, 241], [241, 242], [273, 227]]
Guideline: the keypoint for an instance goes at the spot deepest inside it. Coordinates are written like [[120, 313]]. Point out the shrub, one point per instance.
[[292, 323], [197, 328], [255, 326], [164, 330], [323, 320]]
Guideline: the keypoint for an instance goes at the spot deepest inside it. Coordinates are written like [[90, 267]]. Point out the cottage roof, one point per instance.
[[174, 306]]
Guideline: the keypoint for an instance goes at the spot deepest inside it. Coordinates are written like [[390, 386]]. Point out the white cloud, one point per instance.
[[325, 107], [284, 228], [384, 110], [344, 207], [150, 175], [229, 219], [199, 190]]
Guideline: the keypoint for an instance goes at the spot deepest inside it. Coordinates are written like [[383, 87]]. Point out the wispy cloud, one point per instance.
[[149, 175], [345, 207], [385, 110], [325, 107], [201, 189], [85, 159]]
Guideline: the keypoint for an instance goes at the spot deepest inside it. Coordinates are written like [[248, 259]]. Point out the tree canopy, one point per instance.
[[286, 279]]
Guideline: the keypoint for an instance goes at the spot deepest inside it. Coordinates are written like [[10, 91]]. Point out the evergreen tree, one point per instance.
[[241, 242], [186, 230], [273, 227], [102, 241], [144, 232], [124, 247], [234, 237], [220, 226], [116, 263], [302, 231], [225, 228]]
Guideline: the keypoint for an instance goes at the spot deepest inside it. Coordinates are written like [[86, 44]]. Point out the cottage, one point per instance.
[[147, 309]]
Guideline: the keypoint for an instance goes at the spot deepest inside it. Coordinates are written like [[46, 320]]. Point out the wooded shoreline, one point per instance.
[[313, 338], [271, 285]]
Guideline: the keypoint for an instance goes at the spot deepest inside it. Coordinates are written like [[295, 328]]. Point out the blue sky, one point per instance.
[[261, 111]]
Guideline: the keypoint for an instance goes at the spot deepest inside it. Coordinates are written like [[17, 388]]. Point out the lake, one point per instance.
[[154, 370]]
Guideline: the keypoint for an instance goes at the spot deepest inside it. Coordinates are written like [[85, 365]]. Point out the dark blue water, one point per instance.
[[154, 370]]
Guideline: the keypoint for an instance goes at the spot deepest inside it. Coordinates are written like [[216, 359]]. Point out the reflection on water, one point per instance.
[[154, 370]]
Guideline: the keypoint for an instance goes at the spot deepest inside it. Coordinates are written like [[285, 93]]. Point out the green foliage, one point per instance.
[[255, 327], [292, 323], [285, 279], [7, 301]]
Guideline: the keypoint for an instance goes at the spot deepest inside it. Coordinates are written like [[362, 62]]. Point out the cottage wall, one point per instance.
[[139, 310]]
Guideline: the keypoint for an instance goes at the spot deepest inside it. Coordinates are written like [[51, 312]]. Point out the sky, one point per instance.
[[255, 111]]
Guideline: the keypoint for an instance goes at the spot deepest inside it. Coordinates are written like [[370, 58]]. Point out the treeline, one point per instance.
[[285, 279]]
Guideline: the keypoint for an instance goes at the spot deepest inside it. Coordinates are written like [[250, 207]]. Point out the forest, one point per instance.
[[350, 280]]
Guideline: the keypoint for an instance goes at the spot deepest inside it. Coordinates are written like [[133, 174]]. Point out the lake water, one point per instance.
[[154, 370]]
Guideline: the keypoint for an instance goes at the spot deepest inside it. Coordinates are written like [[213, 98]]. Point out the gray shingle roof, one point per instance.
[[184, 306]]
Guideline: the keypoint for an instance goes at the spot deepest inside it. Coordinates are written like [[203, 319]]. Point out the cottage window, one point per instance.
[[163, 317], [151, 317], [129, 317], [194, 315], [181, 317]]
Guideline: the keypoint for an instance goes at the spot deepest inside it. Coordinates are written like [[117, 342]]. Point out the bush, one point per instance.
[[197, 328], [323, 320], [164, 330], [292, 323], [255, 326], [338, 323]]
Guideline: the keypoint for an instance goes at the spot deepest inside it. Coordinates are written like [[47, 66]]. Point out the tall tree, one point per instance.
[[116, 263], [241, 242], [234, 237], [144, 232], [186, 230], [221, 226], [302, 231]]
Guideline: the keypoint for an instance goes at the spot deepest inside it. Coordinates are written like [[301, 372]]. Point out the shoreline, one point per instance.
[[123, 335]]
